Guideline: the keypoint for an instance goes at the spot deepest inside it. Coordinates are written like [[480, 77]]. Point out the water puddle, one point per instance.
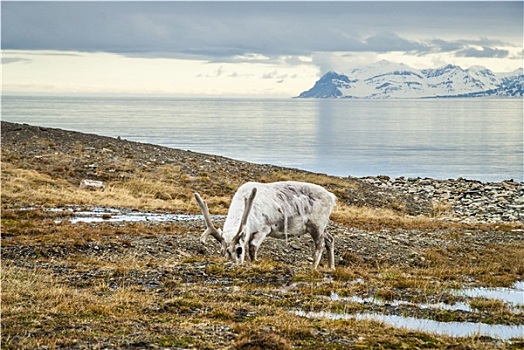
[[513, 297], [453, 329], [99, 214], [459, 306]]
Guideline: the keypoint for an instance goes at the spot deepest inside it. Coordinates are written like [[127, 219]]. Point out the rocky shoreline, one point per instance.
[[461, 199], [94, 157]]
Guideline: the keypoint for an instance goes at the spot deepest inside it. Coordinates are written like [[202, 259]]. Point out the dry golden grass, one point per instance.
[[167, 189], [31, 188], [380, 218], [488, 305], [359, 216], [77, 298], [494, 264], [320, 179], [158, 192], [36, 300], [441, 208], [47, 296], [47, 309]]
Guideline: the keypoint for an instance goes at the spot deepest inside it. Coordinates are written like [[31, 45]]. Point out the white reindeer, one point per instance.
[[278, 209]]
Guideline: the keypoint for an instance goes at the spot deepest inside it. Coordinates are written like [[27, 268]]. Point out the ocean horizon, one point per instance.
[[478, 139]]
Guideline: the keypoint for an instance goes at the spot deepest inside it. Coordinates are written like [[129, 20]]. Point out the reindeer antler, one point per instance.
[[210, 230], [248, 204]]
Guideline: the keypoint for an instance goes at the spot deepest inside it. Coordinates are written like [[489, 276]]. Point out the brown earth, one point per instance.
[[89, 156], [153, 285], [108, 159]]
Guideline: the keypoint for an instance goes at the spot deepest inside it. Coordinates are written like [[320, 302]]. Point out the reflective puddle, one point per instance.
[[459, 306], [513, 297], [453, 329], [96, 214]]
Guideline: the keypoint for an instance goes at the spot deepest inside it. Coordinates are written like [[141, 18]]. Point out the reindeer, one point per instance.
[[278, 210]]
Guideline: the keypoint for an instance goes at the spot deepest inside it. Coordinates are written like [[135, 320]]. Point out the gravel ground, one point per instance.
[[171, 255], [27, 146]]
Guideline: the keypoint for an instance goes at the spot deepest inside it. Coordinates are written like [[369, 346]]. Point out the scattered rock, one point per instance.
[[460, 199], [91, 184], [106, 160]]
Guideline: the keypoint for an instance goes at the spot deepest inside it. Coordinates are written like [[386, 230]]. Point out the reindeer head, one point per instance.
[[235, 249]]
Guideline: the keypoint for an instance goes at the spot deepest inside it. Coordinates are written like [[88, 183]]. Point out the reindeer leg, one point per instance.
[[256, 240], [330, 247], [253, 247], [253, 252], [319, 243]]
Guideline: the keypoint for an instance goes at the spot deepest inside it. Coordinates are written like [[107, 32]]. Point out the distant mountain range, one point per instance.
[[386, 79]]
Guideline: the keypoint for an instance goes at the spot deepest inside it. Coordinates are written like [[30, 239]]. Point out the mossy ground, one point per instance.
[[153, 285]]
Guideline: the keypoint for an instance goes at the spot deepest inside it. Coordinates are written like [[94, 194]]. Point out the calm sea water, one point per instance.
[[445, 138]]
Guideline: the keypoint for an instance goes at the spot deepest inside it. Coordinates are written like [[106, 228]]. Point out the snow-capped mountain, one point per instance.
[[392, 80]]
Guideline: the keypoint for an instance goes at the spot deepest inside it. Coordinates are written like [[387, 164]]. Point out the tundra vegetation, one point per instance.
[[154, 285]]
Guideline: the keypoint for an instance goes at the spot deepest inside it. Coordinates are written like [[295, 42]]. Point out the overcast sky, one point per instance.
[[242, 48]]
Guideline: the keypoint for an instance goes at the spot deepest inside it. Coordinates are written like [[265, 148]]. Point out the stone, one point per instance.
[[91, 184], [469, 200]]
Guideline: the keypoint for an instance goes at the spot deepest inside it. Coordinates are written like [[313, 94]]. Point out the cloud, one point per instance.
[[391, 42], [484, 52], [326, 35], [215, 74], [9, 57], [517, 55], [439, 45], [8, 60], [482, 48], [251, 30], [275, 75]]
